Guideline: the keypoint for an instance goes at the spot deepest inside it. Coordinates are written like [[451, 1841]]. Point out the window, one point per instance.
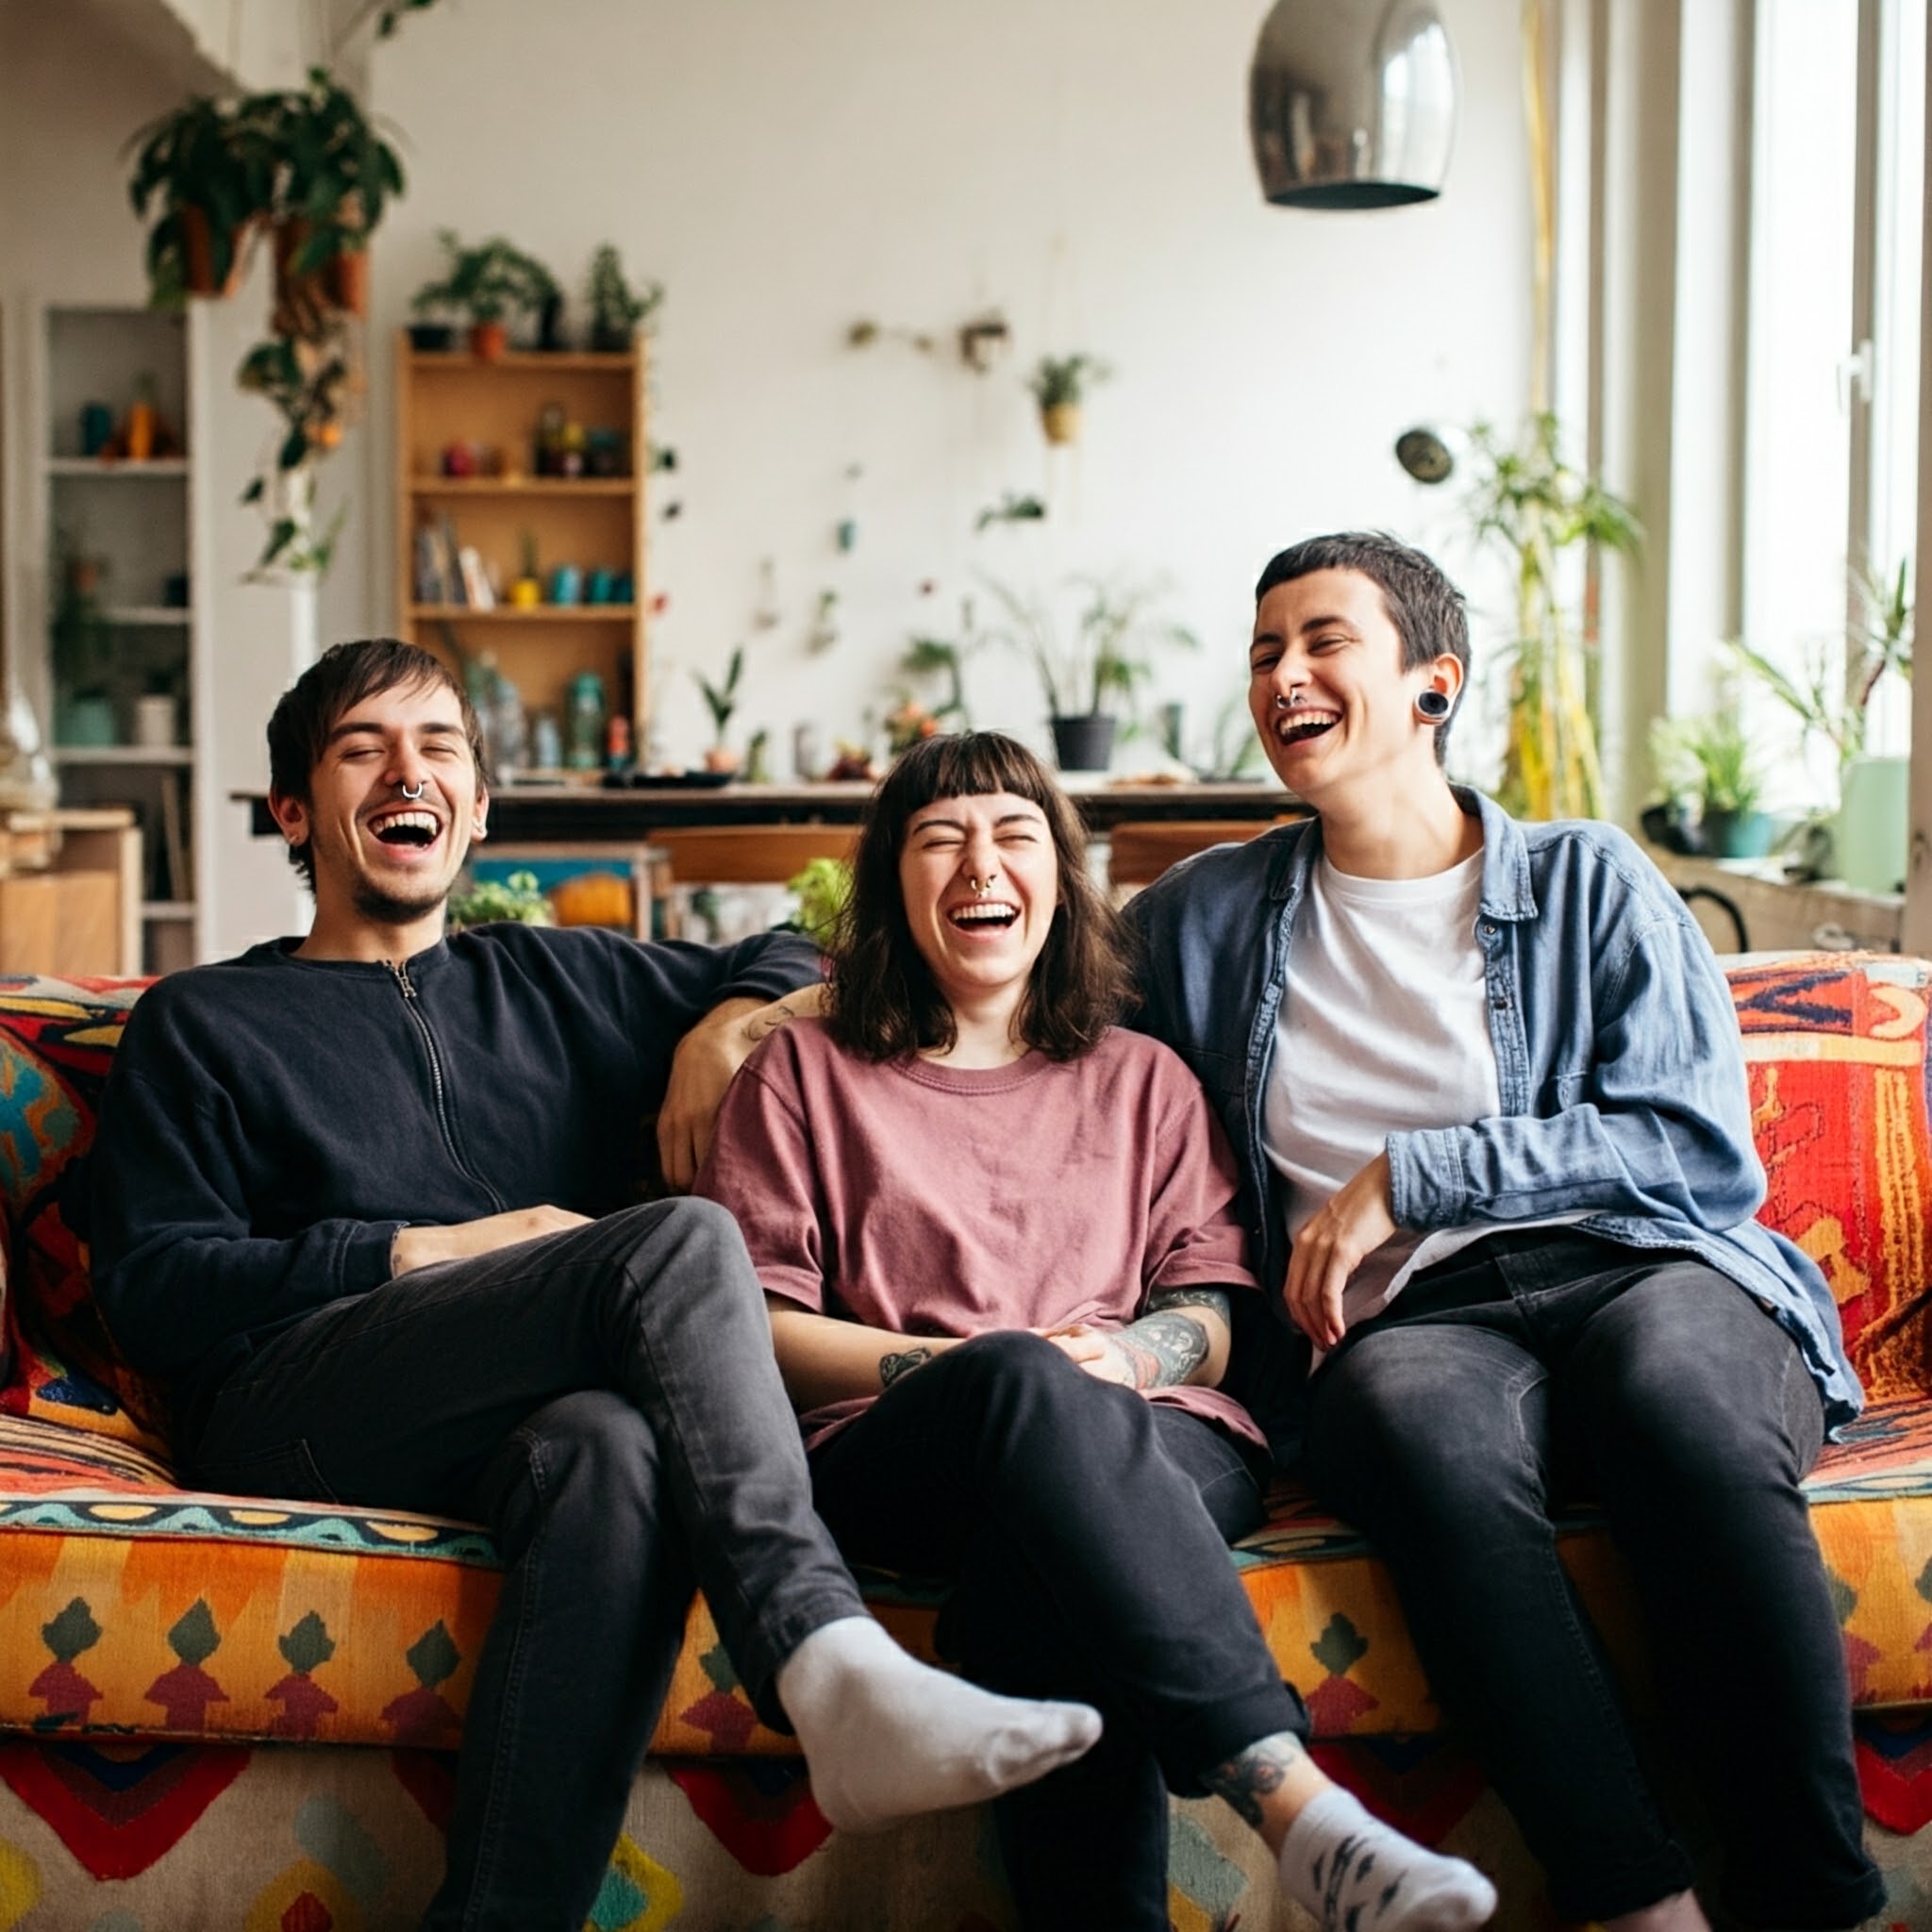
[[1832, 378]]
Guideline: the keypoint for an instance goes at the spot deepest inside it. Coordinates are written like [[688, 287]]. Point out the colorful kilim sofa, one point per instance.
[[221, 1712]]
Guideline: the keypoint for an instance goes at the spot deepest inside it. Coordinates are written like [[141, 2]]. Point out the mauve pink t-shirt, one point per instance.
[[931, 1200]]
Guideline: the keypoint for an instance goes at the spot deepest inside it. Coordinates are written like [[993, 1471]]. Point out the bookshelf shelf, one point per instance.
[[564, 486], [451, 528]]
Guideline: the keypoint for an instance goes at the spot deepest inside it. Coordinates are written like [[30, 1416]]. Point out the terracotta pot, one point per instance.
[[720, 757], [490, 340], [347, 279], [198, 255], [1061, 422]]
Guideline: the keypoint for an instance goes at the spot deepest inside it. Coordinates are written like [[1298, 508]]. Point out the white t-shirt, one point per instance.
[[1383, 1029]]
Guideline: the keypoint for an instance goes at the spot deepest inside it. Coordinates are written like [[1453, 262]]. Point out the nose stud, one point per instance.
[[422, 784]]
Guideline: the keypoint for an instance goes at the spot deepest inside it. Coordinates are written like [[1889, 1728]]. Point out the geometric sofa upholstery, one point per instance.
[[222, 1712]]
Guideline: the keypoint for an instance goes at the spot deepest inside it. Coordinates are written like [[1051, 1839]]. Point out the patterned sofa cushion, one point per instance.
[[126, 1603]]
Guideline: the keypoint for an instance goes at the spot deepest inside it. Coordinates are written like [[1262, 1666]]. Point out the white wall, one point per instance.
[[788, 168]]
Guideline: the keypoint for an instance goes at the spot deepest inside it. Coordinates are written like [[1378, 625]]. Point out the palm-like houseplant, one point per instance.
[[1533, 506]]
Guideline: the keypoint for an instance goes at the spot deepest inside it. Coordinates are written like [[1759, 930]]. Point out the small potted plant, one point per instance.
[[1713, 760], [1091, 669], [1059, 387], [486, 283], [617, 311], [722, 700]]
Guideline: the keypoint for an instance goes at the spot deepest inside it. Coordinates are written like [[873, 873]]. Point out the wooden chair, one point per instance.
[[1139, 851], [738, 856]]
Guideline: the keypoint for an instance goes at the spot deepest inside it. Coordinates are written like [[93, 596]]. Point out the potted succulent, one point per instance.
[[486, 283], [1059, 387], [721, 700], [616, 310], [212, 168], [1091, 668]]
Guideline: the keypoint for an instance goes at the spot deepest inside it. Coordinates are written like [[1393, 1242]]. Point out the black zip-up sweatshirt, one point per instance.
[[270, 1123]]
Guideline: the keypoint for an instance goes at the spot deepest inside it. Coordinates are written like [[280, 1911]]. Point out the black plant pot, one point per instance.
[[428, 338], [1085, 743]]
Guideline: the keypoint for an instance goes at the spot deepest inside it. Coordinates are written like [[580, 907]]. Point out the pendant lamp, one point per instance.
[[1352, 103]]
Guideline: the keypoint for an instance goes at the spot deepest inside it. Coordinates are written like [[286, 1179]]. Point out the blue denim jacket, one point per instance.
[[1617, 1058]]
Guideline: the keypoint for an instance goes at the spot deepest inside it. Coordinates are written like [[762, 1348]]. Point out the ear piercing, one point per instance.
[[1432, 706]]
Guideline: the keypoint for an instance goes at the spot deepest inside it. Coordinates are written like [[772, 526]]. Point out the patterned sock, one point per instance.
[[886, 1737], [1357, 1875]]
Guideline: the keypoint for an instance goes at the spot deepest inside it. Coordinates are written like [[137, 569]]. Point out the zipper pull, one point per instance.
[[403, 980]]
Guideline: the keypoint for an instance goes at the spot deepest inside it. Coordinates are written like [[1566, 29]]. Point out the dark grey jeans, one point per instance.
[[606, 1401], [1085, 1532], [1547, 1365]]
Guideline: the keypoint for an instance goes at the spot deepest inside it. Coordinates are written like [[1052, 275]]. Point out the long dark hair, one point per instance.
[[883, 1003]]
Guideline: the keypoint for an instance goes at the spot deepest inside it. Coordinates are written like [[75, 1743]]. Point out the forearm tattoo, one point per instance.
[[1164, 1347], [892, 1366], [1252, 1775], [761, 1025]]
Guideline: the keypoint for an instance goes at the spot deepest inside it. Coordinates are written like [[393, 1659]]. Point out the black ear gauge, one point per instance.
[[1432, 706]]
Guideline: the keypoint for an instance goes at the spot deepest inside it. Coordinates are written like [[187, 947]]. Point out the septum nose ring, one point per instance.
[[422, 784], [981, 887], [1283, 704]]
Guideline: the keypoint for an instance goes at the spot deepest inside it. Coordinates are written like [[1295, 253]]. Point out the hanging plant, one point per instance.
[[1060, 386]]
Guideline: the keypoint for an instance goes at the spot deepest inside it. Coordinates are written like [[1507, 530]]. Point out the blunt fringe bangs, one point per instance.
[[882, 1002], [1427, 610], [342, 677]]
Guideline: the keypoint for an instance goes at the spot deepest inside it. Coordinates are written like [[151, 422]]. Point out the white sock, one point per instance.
[[1357, 1875], [886, 1737], [1680, 1912]]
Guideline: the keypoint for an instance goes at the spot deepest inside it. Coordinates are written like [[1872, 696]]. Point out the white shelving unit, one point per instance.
[[136, 521]]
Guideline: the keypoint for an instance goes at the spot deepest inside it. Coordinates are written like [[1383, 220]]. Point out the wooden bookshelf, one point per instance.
[[594, 523]]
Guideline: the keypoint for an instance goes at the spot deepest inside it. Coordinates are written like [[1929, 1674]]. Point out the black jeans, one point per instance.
[[1549, 1365], [1088, 1532], [606, 1401]]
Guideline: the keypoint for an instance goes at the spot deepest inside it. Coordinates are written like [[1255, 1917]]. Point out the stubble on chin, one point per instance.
[[393, 908]]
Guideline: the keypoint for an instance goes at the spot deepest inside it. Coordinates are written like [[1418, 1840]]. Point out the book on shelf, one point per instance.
[[475, 579]]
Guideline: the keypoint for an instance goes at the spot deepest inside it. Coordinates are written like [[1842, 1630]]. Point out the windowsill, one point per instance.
[[1781, 915]]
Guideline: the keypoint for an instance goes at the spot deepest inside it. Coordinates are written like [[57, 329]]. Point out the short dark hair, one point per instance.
[[342, 677], [1427, 610], [882, 1003]]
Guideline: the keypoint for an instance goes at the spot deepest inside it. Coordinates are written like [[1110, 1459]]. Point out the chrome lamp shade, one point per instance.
[[1352, 103]]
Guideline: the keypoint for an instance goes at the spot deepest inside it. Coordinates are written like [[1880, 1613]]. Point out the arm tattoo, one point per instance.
[[892, 1366], [1250, 1775], [762, 1026], [1165, 1346]]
